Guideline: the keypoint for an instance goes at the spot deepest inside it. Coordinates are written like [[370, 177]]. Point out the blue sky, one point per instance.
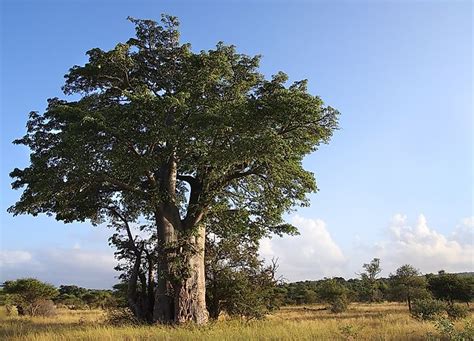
[[400, 73]]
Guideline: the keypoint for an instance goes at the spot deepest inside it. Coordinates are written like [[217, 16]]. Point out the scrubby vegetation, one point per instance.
[[362, 321], [30, 297], [240, 285], [247, 299], [406, 285], [427, 309]]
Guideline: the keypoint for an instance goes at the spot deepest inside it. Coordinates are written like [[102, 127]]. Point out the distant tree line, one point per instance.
[[32, 297], [240, 284], [407, 285]]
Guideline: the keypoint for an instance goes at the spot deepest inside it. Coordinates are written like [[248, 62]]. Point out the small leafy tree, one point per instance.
[[448, 330], [457, 311], [7, 301], [334, 293], [71, 296], [71, 290], [30, 295], [369, 280], [237, 281], [451, 287], [408, 284], [427, 309], [99, 299], [248, 293]]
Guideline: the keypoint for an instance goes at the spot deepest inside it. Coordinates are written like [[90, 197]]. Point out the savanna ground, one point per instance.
[[386, 321]]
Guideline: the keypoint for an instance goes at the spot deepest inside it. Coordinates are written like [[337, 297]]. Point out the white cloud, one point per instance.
[[464, 232], [425, 248], [312, 254], [93, 269], [14, 258]]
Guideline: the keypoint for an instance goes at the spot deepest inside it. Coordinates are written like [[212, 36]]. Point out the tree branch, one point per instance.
[[127, 228], [191, 180]]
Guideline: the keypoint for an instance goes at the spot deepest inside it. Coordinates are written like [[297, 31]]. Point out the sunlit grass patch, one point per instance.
[[360, 322]]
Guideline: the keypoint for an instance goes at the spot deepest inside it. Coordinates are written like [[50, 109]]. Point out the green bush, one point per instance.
[[457, 311], [349, 332], [339, 305], [427, 309], [41, 307], [334, 294], [31, 296], [448, 331]]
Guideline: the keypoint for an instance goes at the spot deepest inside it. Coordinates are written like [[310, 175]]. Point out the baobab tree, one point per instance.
[[161, 136]]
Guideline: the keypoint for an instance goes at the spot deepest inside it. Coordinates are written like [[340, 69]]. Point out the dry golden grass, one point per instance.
[[361, 322]]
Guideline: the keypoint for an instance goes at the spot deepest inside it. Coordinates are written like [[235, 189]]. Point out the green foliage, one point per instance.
[[75, 297], [238, 138], [71, 301], [349, 332], [447, 330], [122, 316], [41, 307], [298, 292], [30, 289], [339, 305], [7, 300], [451, 287], [457, 311], [427, 309], [119, 294], [99, 299], [310, 296], [369, 283], [334, 293], [71, 290], [407, 284], [372, 269], [157, 132], [249, 294], [237, 281], [30, 295]]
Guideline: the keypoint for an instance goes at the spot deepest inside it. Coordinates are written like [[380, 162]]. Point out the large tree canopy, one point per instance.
[[165, 135]]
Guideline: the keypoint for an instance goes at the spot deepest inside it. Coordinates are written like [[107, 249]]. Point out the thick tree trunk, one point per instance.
[[163, 311], [190, 294], [184, 300], [178, 300]]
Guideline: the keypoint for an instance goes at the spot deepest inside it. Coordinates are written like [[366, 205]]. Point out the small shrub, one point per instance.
[[334, 294], [338, 305], [457, 311], [349, 332], [45, 308], [427, 309], [121, 316], [447, 330]]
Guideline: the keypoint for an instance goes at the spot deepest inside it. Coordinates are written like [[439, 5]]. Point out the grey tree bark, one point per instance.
[[178, 300]]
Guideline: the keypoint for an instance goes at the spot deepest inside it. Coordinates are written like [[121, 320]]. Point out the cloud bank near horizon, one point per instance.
[[87, 268], [425, 248], [313, 254]]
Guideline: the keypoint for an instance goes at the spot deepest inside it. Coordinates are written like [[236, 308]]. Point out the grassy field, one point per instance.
[[360, 322]]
